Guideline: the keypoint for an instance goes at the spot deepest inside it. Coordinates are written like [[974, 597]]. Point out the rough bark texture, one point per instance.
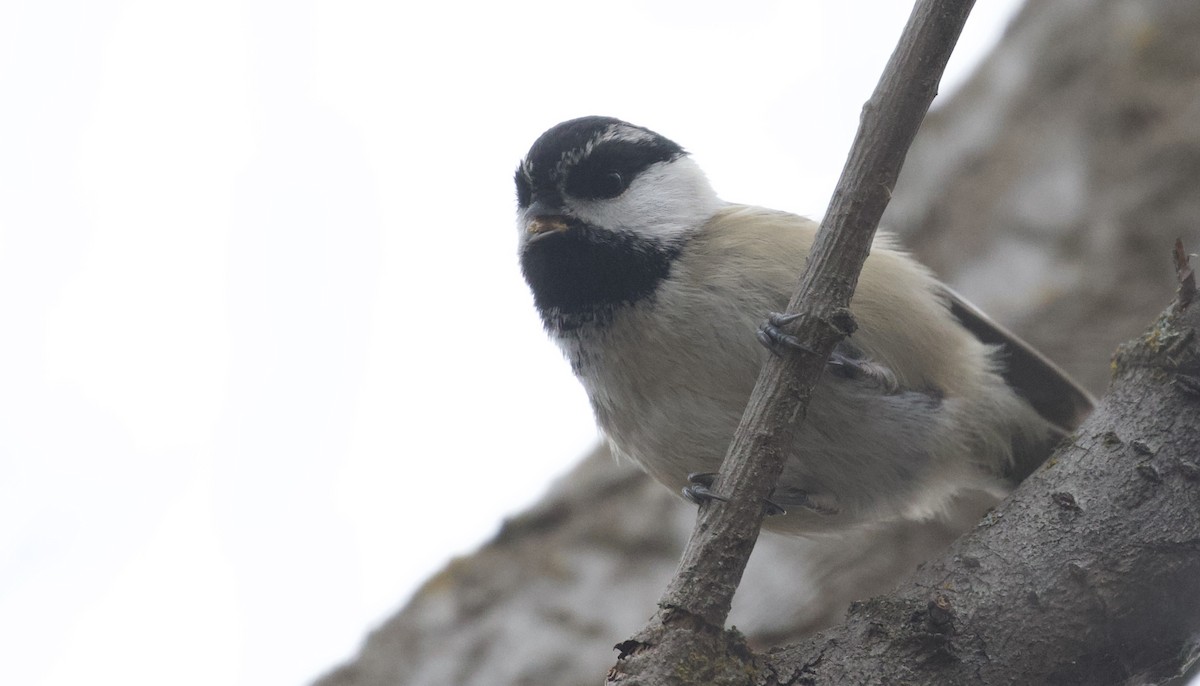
[[1088, 574], [1049, 191]]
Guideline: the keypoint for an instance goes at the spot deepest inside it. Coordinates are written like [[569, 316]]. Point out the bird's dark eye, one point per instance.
[[610, 167], [591, 183], [609, 186]]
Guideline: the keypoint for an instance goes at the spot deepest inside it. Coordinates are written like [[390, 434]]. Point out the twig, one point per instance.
[[695, 605]]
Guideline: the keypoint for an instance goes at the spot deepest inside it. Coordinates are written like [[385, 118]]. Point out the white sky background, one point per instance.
[[266, 358]]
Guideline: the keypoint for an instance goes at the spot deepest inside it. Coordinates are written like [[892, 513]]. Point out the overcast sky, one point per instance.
[[266, 359]]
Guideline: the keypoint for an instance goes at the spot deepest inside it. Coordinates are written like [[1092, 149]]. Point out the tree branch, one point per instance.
[[684, 643], [1088, 574]]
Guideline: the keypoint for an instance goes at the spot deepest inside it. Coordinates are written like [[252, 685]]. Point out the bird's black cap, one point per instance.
[[590, 158]]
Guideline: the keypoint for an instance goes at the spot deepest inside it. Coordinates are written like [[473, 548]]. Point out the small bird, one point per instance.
[[657, 290]]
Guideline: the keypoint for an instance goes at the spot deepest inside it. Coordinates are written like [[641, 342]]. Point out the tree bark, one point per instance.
[[1088, 574]]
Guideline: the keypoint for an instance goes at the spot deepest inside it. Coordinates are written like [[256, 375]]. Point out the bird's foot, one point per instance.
[[821, 504], [773, 337], [699, 490], [847, 363]]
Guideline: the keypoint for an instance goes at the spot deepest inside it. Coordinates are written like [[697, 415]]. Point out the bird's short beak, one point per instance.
[[546, 224]]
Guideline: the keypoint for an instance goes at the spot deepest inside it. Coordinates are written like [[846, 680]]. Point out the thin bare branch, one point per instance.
[[697, 601]]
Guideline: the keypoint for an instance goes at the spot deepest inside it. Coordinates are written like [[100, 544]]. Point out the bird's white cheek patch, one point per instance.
[[667, 200]]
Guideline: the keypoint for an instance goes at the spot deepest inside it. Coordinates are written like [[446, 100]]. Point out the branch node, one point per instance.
[[1149, 473], [628, 648], [940, 614], [1066, 501], [1141, 447], [842, 321]]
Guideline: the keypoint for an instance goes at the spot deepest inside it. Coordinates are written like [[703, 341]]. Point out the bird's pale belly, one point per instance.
[[672, 421]]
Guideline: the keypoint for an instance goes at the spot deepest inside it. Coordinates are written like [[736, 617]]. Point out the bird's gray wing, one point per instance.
[[1055, 396]]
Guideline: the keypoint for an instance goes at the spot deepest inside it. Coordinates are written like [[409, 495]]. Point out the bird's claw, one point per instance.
[[857, 369], [699, 488], [699, 491], [824, 505], [770, 509], [772, 336]]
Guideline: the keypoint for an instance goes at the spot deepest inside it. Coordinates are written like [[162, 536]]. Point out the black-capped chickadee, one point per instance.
[[655, 288]]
